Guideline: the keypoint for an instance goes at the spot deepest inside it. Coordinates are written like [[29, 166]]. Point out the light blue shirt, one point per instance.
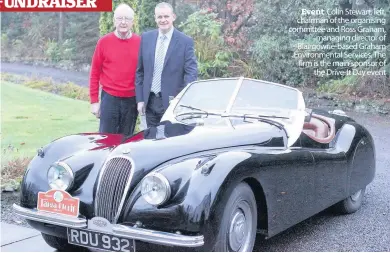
[[166, 42]]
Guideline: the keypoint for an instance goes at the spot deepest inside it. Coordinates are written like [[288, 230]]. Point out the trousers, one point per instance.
[[118, 115], [154, 110]]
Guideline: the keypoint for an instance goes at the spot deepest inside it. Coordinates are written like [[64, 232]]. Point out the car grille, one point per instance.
[[116, 175]]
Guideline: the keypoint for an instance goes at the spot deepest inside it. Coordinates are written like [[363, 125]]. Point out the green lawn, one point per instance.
[[32, 118]]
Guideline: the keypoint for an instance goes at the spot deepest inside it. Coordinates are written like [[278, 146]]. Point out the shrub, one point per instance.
[[146, 17], [69, 89], [53, 51], [212, 53], [273, 61], [244, 67], [361, 86], [236, 16], [4, 43], [12, 173], [345, 85], [67, 50], [74, 91], [40, 84]]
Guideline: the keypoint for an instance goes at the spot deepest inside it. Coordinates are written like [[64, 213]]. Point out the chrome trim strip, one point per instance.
[[126, 187], [158, 237], [50, 218], [234, 95], [273, 83], [151, 236], [101, 172], [125, 192], [216, 79]]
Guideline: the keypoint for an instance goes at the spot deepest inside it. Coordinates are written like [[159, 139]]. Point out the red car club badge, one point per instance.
[[59, 202]]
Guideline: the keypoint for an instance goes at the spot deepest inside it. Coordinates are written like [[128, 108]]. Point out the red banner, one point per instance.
[[55, 5]]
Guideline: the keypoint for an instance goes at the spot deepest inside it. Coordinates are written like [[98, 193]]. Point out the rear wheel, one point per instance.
[[352, 203], [61, 244], [237, 230]]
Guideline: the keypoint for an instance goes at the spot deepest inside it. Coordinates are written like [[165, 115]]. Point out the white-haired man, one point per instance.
[[113, 68]]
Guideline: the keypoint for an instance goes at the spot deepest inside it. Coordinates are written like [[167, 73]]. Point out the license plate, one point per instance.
[[99, 240]]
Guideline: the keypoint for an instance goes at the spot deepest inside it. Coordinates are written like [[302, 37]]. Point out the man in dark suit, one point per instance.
[[166, 64]]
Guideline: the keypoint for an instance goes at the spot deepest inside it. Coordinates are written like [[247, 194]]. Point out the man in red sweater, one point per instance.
[[113, 68]]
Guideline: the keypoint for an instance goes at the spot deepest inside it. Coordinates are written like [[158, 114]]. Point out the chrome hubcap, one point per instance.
[[356, 196], [240, 227]]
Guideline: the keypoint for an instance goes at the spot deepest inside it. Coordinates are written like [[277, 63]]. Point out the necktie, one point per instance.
[[158, 66]]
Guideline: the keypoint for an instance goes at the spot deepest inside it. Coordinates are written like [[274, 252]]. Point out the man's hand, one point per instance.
[[141, 108], [95, 109]]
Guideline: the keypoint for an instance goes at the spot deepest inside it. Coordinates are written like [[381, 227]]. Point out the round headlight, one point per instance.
[[155, 189], [60, 176]]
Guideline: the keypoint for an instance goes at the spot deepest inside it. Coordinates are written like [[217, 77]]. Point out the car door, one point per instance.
[[287, 177]]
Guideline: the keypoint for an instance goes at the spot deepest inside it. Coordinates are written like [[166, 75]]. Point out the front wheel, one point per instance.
[[237, 231]]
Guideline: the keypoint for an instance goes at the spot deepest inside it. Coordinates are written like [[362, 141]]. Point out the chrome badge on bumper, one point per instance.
[[99, 233]]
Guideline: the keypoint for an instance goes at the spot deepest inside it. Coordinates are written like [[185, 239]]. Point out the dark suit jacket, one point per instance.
[[180, 66]]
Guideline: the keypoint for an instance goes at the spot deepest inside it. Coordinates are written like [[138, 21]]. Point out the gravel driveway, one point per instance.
[[58, 75], [366, 230]]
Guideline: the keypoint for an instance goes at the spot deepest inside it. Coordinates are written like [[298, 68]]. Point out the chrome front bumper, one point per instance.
[[146, 235]]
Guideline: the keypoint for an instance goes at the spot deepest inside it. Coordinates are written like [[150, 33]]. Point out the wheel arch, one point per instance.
[[362, 165], [262, 214], [359, 147], [210, 228], [246, 175]]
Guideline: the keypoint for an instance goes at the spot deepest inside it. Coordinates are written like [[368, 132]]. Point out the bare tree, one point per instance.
[[61, 28]]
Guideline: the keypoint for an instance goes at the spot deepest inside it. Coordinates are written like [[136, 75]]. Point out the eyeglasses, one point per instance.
[[126, 19]]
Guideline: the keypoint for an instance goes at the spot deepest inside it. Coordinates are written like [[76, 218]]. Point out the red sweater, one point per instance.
[[114, 64]]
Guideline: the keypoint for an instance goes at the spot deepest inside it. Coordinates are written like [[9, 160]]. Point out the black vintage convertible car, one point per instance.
[[231, 159]]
